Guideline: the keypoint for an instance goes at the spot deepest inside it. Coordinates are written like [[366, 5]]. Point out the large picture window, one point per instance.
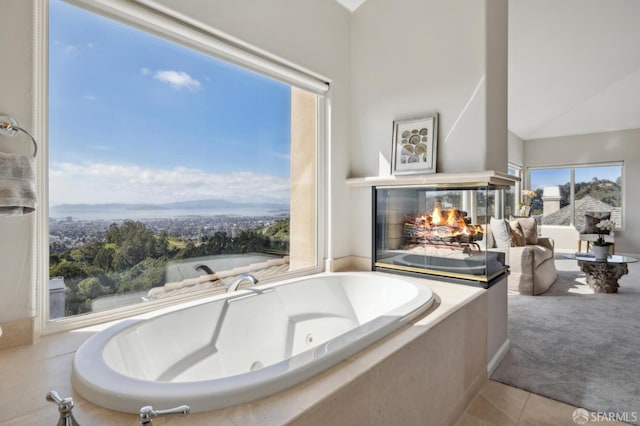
[[171, 172], [564, 195]]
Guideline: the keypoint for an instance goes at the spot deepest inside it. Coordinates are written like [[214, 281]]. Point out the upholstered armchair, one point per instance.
[[589, 232], [531, 258]]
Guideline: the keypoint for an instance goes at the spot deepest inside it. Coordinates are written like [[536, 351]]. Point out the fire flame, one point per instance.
[[454, 219], [449, 223], [436, 215]]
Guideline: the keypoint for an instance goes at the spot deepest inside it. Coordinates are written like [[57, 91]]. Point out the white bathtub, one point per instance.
[[245, 345]]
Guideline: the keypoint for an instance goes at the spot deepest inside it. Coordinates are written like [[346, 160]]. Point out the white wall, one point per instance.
[[16, 99], [496, 98], [411, 57], [516, 149], [310, 33], [595, 148]]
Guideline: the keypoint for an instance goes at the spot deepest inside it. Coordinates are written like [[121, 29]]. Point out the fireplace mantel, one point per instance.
[[489, 177]]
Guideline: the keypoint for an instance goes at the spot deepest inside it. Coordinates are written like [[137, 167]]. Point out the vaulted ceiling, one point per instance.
[[574, 66]]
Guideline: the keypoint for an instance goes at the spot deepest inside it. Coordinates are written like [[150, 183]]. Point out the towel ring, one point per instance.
[[9, 127]]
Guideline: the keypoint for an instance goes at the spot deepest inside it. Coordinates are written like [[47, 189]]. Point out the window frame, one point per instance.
[[517, 187], [572, 170], [191, 34]]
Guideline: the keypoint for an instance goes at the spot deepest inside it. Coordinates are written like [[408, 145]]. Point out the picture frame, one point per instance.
[[415, 145]]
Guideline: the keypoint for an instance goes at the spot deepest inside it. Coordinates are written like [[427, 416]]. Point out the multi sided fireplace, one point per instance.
[[439, 229]]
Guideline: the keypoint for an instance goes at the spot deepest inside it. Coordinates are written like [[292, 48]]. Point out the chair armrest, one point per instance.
[[546, 242], [521, 259]]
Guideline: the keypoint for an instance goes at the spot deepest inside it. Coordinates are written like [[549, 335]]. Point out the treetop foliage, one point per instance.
[[132, 258]]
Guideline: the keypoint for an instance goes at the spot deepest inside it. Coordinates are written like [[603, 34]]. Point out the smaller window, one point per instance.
[[564, 195]]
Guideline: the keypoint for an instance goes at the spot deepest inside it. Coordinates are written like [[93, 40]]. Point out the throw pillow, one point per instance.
[[517, 236], [500, 229], [591, 219], [529, 229]]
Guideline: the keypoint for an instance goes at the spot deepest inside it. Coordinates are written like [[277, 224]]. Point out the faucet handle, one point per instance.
[[65, 405], [147, 413]]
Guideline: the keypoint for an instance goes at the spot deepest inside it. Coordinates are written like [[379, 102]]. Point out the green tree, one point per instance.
[[250, 242], [218, 243], [119, 263], [190, 250], [104, 258], [145, 275], [112, 234], [68, 270], [75, 303], [133, 243], [54, 259], [132, 258], [92, 288], [87, 252], [162, 244]]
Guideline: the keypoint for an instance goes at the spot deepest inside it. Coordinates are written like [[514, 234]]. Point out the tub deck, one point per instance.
[[460, 311]]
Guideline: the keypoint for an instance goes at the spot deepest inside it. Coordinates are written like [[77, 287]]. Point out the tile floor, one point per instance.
[[502, 405]]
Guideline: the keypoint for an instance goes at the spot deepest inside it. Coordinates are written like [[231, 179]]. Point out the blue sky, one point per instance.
[[136, 118], [548, 177]]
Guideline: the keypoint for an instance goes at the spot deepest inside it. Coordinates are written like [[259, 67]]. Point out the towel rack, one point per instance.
[[10, 127]]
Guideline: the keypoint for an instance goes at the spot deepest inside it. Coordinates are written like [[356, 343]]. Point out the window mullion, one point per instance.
[[572, 196]]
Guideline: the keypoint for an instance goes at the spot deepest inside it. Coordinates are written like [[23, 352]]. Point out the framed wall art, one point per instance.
[[415, 143]]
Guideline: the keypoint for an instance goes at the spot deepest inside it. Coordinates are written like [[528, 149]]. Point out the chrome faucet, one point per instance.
[[65, 405], [233, 285], [147, 413]]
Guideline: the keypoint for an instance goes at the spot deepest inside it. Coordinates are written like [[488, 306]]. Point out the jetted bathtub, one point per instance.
[[244, 345]]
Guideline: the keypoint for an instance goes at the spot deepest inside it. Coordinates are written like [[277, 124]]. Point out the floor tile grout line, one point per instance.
[[524, 407]]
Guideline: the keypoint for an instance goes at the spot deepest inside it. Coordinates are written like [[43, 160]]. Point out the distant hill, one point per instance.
[[105, 207], [210, 204], [278, 230], [221, 204]]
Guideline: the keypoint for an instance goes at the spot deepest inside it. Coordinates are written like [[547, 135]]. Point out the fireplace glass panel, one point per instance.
[[439, 231]]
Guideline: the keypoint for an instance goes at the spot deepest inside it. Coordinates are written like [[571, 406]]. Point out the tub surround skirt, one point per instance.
[[17, 333], [423, 373]]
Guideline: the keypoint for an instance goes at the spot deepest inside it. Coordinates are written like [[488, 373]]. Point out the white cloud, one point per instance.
[[280, 155], [110, 183], [178, 79], [90, 97], [145, 71], [70, 49]]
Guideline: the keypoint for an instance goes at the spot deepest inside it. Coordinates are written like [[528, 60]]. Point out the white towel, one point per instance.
[[17, 184]]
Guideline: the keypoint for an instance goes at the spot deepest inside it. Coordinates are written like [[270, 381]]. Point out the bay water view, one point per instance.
[[160, 213]]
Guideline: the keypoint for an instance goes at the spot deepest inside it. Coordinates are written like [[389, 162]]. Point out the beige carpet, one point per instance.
[[578, 347]]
